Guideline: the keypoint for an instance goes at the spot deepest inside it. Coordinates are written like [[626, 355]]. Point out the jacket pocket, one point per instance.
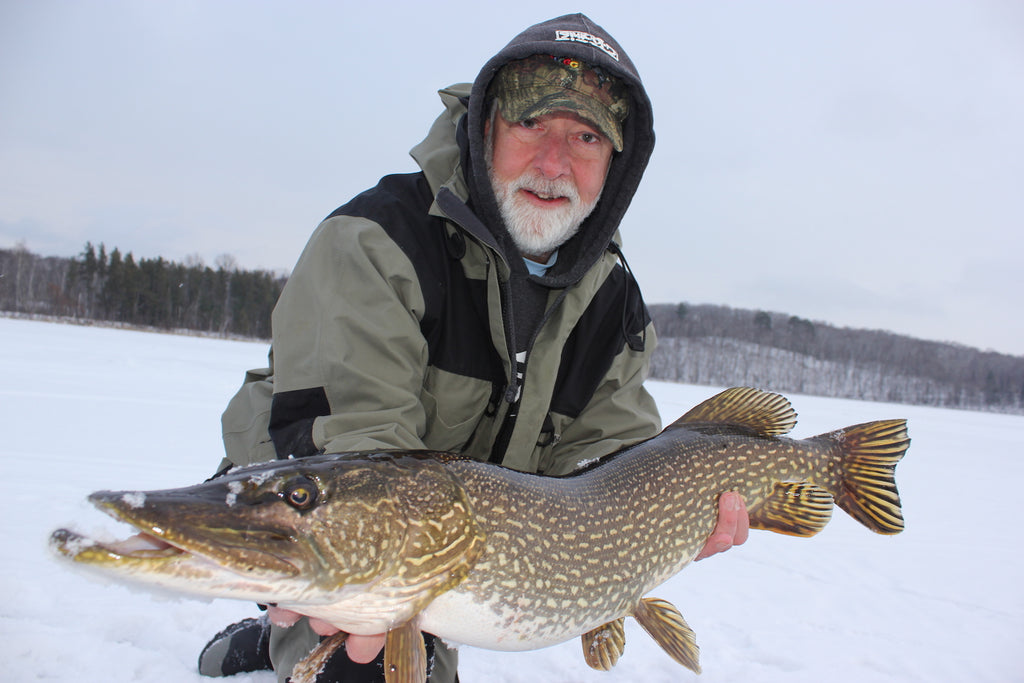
[[453, 405]]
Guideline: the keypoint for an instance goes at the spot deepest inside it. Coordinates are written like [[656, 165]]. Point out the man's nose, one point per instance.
[[552, 159]]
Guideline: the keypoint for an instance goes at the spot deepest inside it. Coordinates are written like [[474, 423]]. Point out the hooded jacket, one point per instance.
[[403, 324]]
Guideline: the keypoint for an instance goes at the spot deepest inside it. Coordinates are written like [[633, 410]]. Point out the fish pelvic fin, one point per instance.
[[869, 455], [666, 625], [742, 409], [405, 655], [603, 646], [794, 508]]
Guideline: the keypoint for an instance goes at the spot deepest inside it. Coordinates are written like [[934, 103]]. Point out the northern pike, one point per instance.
[[399, 542]]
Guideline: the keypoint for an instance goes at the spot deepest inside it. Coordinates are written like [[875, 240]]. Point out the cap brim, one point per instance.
[[545, 100]]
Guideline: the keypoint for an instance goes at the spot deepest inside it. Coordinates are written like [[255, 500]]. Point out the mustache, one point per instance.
[[545, 187]]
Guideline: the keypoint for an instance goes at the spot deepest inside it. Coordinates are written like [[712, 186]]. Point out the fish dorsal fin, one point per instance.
[[762, 412], [603, 646], [666, 625]]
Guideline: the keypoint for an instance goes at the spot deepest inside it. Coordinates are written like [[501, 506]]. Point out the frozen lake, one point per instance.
[[85, 408]]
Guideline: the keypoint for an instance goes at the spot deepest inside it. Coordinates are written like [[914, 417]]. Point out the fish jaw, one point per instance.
[[178, 557], [165, 567], [194, 521], [236, 536]]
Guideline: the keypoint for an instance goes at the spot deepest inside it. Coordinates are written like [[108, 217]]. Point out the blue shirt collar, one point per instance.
[[541, 269]]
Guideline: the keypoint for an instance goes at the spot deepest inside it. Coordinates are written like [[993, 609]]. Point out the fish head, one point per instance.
[[292, 531]]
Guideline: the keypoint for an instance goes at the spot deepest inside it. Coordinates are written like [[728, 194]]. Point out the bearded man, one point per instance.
[[480, 306]]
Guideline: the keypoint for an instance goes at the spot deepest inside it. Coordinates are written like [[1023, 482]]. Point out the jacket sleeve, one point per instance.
[[349, 356], [245, 421], [621, 413]]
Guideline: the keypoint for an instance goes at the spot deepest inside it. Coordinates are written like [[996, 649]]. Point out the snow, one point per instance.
[[85, 408]]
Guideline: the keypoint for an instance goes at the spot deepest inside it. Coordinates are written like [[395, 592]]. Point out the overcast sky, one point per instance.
[[859, 163]]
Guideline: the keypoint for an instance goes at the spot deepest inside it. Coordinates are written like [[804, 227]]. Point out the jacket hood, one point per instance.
[[572, 35]]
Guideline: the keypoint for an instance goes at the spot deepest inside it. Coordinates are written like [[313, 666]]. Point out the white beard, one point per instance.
[[535, 230]]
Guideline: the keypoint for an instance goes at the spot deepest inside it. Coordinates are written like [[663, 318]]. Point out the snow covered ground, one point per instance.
[[89, 408]]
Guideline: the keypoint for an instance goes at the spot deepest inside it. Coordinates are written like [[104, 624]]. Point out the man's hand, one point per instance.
[[361, 649], [732, 528]]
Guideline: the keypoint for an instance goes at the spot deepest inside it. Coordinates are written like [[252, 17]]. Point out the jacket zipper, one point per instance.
[[457, 211], [514, 394]]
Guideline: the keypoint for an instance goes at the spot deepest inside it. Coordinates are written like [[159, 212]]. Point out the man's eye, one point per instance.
[[528, 123], [590, 138]]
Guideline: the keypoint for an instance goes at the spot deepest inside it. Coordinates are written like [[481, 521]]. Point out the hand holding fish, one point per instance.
[[732, 528], [361, 649]]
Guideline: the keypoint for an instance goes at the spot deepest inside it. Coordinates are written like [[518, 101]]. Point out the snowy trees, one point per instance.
[[698, 344], [96, 285], [721, 346]]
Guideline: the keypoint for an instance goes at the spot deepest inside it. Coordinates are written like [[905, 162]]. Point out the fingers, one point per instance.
[[286, 618], [732, 528], [282, 617], [742, 521], [361, 649], [364, 649], [322, 628]]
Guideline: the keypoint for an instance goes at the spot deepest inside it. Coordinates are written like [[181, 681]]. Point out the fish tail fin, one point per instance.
[[869, 454]]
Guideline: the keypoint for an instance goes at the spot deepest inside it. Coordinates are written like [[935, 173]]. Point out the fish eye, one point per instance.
[[301, 493]]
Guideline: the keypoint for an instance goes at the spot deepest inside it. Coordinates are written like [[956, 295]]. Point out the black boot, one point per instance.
[[240, 648]]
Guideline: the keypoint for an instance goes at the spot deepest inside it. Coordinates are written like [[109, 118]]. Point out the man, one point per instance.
[[478, 306]]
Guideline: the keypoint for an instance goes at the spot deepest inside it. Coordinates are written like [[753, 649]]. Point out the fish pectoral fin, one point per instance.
[[603, 646], [405, 655], [666, 625], [795, 508], [309, 668]]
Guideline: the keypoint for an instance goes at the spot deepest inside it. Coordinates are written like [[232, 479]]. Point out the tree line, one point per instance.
[[698, 344], [721, 346], [148, 292]]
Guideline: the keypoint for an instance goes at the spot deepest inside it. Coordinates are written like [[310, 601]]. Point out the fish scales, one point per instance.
[[488, 556]]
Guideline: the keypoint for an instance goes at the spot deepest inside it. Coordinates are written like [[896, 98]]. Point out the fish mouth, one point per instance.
[[141, 547], [172, 540]]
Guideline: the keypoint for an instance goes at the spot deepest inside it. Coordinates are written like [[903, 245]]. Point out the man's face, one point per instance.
[[547, 174]]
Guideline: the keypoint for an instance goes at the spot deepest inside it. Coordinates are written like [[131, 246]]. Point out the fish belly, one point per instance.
[[462, 618]]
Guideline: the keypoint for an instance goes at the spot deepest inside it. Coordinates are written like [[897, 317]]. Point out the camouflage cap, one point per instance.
[[541, 84]]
